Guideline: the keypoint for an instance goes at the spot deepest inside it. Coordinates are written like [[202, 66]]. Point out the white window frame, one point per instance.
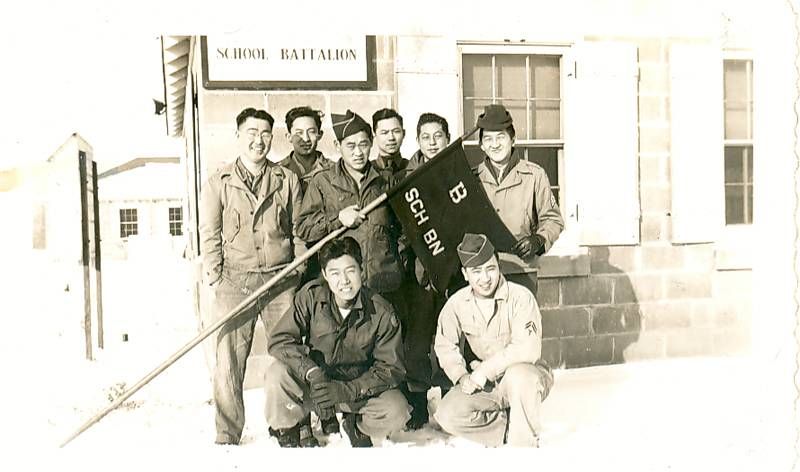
[[567, 243], [735, 246], [135, 222], [171, 221], [742, 142]]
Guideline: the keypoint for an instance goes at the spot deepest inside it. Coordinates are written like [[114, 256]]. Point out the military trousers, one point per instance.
[[289, 401], [506, 411], [235, 339]]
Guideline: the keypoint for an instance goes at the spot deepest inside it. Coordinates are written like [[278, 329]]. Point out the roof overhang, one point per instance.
[[175, 62], [138, 162]]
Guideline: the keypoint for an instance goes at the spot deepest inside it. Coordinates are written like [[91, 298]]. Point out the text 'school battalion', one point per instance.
[[361, 329]]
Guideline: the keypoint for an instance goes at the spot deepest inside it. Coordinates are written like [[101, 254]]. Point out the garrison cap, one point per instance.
[[348, 124], [474, 250], [495, 117]]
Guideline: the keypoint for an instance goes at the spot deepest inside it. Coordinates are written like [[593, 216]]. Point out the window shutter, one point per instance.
[[697, 152], [601, 142]]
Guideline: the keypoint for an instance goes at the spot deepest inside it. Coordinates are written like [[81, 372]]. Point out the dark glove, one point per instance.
[[328, 394], [526, 246], [317, 376]]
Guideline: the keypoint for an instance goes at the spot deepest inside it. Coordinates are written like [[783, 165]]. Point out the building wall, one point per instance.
[[153, 229], [658, 298], [151, 189]]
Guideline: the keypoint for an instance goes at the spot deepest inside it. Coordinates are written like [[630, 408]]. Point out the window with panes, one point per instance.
[[128, 222], [738, 84], [176, 221], [529, 87]]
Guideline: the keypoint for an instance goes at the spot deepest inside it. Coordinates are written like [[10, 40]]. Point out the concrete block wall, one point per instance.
[[645, 302], [656, 299]]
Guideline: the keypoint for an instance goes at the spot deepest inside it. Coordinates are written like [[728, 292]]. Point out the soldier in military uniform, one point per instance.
[[304, 130], [335, 197], [339, 349], [497, 396], [387, 125], [433, 135], [520, 192], [248, 210]]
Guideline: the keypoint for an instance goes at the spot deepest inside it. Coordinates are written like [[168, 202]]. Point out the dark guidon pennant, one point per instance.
[[439, 202]]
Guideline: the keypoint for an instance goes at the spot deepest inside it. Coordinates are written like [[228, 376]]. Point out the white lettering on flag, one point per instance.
[[416, 206], [432, 240], [458, 193]]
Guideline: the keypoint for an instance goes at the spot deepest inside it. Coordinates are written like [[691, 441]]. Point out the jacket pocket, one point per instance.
[[231, 223]]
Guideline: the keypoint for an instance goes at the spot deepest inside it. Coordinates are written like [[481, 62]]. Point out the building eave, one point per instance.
[[175, 69]]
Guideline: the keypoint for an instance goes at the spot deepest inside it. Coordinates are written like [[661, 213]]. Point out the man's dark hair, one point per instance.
[[257, 114], [346, 246], [299, 112], [509, 130], [433, 118], [385, 114]]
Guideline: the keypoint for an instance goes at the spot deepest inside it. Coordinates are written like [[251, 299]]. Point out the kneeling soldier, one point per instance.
[[499, 400], [339, 348]]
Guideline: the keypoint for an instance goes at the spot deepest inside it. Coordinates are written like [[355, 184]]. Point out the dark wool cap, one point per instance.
[[348, 124], [474, 250], [495, 118]]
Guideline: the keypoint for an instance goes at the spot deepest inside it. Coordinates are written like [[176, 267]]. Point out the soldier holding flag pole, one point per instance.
[[334, 199]]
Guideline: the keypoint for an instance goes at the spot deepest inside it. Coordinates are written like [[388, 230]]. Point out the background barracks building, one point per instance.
[[648, 122]]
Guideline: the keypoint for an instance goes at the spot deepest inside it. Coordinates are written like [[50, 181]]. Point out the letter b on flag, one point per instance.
[[458, 193]]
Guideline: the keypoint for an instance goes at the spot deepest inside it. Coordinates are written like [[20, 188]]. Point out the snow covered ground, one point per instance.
[[681, 414]]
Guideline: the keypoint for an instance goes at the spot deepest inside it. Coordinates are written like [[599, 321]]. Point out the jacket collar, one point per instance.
[[293, 163], [271, 182], [418, 158], [394, 163], [344, 181], [488, 173], [500, 294], [361, 310]]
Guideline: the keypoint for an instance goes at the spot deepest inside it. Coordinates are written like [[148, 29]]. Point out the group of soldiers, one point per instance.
[[359, 330]]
